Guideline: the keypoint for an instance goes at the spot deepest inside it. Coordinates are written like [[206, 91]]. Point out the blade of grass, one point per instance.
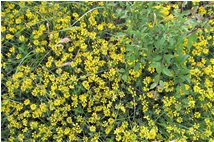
[[23, 60]]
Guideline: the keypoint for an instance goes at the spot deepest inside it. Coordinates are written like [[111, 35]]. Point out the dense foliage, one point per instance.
[[107, 71]]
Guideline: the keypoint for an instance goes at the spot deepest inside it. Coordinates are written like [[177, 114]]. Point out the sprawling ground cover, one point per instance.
[[107, 71]]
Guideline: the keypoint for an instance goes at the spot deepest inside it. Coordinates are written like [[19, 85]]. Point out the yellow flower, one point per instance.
[[205, 51], [191, 104], [92, 128], [27, 102], [18, 20], [120, 107], [12, 49], [179, 119], [69, 120], [83, 46], [3, 29], [92, 21], [143, 132], [44, 42], [208, 132], [83, 99], [108, 130], [118, 137], [202, 10], [36, 42], [175, 6], [9, 36], [42, 28], [165, 10], [40, 50], [76, 15], [197, 115], [13, 30], [157, 7], [33, 125], [152, 133], [67, 131], [212, 61], [33, 106], [208, 70], [111, 26], [150, 25], [21, 137], [18, 56], [86, 85], [22, 38], [43, 107], [26, 84], [75, 101], [57, 102], [100, 3], [100, 27]]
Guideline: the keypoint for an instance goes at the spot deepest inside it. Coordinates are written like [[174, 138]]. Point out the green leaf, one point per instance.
[[184, 71], [121, 34], [125, 77], [186, 12], [132, 57], [187, 78], [157, 66], [122, 70], [192, 38], [161, 84], [130, 48], [181, 58], [153, 85], [168, 58], [167, 72], [161, 42], [23, 50], [137, 67], [177, 94], [184, 89], [109, 140], [156, 78], [78, 110], [157, 58], [139, 82], [182, 79]]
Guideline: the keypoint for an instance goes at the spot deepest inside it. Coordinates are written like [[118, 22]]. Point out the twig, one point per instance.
[[196, 28], [155, 22]]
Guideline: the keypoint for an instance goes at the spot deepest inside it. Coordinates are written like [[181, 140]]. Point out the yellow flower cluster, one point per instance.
[[66, 77]]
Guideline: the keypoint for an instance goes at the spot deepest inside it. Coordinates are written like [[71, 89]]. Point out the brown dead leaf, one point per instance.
[[65, 64], [64, 40]]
